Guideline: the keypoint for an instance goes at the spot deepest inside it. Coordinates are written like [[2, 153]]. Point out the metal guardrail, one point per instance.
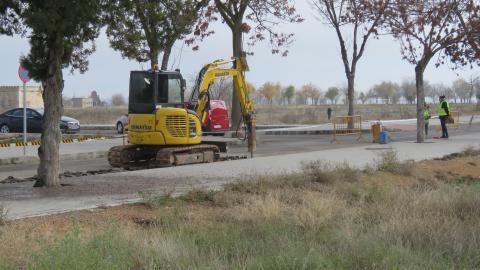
[[347, 125], [456, 117]]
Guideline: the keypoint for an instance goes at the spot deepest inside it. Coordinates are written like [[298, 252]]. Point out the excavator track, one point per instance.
[[135, 157]]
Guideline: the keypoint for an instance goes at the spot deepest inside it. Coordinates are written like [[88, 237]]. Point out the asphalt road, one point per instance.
[[267, 145]]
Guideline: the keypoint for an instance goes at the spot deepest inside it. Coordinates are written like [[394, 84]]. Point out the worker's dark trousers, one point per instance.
[[426, 128], [443, 122]]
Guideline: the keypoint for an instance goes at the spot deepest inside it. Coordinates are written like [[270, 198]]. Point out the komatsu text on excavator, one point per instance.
[[163, 130]]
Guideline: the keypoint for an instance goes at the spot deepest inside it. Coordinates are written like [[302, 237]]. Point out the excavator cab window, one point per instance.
[[169, 89], [143, 99], [141, 92]]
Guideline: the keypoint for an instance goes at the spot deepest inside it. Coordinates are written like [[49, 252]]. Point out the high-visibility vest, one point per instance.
[[441, 111], [426, 114]]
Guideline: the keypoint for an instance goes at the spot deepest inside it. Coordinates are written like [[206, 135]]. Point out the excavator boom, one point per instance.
[[207, 77]]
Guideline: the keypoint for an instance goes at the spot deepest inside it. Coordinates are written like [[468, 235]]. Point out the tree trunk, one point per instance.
[[166, 57], [419, 69], [49, 167], [351, 93], [236, 116], [153, 57]]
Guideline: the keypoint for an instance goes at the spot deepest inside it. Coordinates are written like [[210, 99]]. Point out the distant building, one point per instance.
[[82, 102], [12, 97], [96, 99]]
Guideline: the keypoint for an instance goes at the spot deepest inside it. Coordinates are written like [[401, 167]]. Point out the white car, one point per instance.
[[122, 123]]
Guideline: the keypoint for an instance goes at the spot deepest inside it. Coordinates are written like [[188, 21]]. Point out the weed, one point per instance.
[[469, 151], [388, 161], [153, 200], [199, 195], [3, 214], [322, 172]]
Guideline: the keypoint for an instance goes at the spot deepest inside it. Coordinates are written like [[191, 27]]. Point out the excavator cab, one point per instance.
[[157, 115], [149, 89]]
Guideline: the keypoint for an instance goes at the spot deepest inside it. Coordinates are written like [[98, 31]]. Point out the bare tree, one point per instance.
[[312, 93], [118, 100], [260, 18], [426, 29], [270, 90], [362, 18], [362, 97], [462, 90], [332, 94], [386, 90], [408, 90], [222, 89], [288, 94]]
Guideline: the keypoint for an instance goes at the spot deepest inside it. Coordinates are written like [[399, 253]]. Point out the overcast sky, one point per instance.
[[314, 58]]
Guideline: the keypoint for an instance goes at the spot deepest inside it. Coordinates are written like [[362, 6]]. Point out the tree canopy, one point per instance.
[[142, 30], [10, 21]]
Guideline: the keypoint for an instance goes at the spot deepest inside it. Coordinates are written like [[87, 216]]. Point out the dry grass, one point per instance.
[[318, 114], [327, 217], [97, 115]]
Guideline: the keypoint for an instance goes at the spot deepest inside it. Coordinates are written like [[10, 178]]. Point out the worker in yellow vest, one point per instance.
[[443, 114], [426, 116]]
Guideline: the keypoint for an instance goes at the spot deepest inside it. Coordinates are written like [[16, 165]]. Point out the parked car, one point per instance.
[[12, 122], [122, 123]]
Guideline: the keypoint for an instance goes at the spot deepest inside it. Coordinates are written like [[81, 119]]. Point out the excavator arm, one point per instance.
[[206, 79]]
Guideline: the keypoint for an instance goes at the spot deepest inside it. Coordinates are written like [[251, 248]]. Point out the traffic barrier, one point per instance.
[[456, 117], [347, 125], [38, 142]]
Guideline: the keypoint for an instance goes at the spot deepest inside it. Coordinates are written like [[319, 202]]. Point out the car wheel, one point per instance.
[[4, 129], [120, 128]]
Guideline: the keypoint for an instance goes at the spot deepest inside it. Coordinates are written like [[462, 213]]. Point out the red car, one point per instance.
[[217, 121]]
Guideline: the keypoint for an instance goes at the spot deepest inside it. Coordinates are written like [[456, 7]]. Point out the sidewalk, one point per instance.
[[22, 200]]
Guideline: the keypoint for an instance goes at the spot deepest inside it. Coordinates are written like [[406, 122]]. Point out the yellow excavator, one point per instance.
[[163, 131]]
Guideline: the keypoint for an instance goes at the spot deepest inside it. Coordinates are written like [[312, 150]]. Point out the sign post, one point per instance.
[[23, 74]]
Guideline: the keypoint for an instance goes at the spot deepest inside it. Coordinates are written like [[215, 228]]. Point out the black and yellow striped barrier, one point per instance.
[[38, 142], [21, 144]]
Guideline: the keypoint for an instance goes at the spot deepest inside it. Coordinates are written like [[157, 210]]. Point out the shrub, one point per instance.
[[388, 161]]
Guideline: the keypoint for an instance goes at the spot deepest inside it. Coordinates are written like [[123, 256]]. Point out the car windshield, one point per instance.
[[40, 111]]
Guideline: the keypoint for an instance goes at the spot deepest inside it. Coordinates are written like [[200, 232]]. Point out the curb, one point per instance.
[[33, 160], [259, 127], [307, 132]]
